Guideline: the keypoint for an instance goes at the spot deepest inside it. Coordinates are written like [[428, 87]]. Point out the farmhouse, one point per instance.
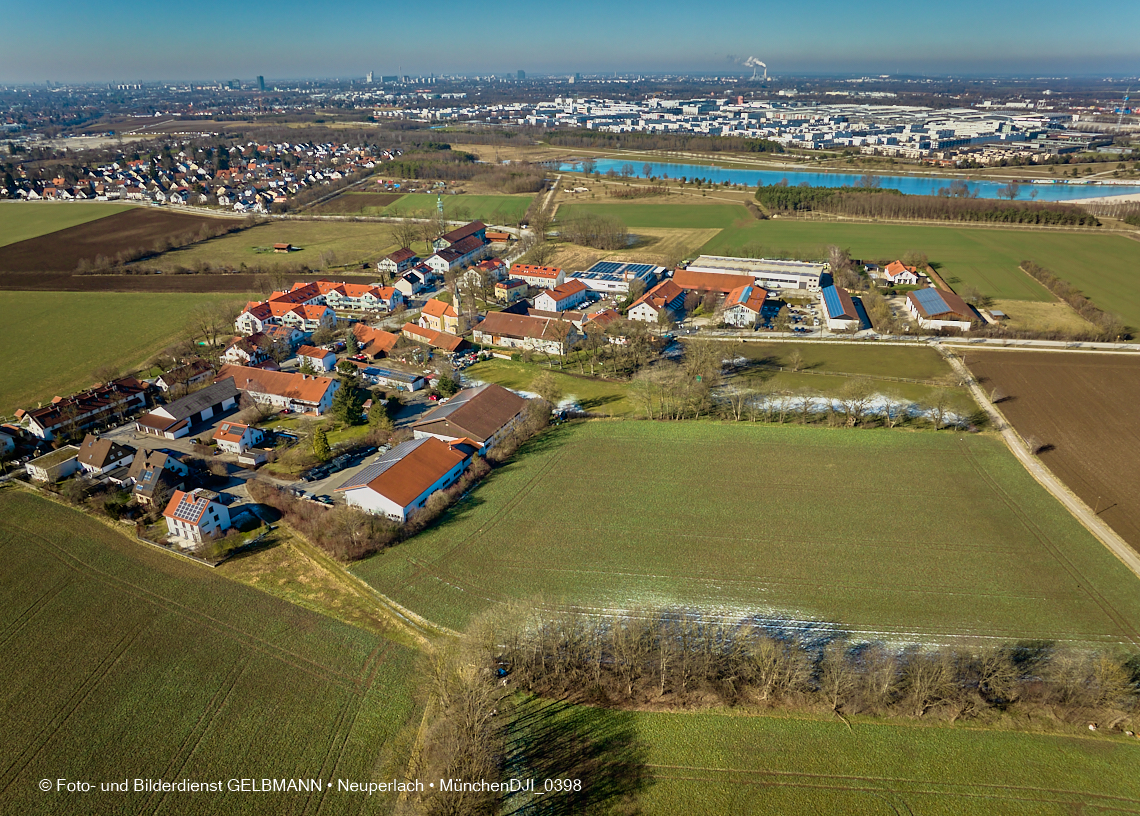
[[79, 412], [436, 339], [542, 277], [51, 467], [397, 263], [482, 415], [475, 229], [769, 273], [403, 479], [839, 310], [319, 359], [439, 316], [196, 516], [303, 393], [374, 342], [510, 290], [546, 334], [665, 296], [462, 253], [175, 420], [936, 309], [234, 437], [897, 273], [100, 456], [743, 305], [563, 297], [615, 277]]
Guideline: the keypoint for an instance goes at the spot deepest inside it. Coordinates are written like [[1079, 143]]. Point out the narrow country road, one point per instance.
[[1045, 477]]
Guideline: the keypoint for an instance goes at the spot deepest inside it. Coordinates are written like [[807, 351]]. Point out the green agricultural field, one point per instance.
[[1106, 267], [63, 337], [665, 215], [491, 209], [732, 763], [20, 221], [335, 246], [898, 534], [600, 396], [120, 661]]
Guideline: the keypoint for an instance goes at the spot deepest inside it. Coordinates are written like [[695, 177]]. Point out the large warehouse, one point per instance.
[[769, 273]]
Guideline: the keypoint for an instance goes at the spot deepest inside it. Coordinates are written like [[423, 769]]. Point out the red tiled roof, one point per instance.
[[437, 308], [710, 281], [299, 387]]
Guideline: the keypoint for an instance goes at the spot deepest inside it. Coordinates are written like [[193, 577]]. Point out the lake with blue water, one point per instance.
[[911, 185]]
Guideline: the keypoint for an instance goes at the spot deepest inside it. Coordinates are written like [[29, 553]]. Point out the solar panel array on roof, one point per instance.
[[931, 301], [833, 303], [187, 509], [638, 269], [605, 268]]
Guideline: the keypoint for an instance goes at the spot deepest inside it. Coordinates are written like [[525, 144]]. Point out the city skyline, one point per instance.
[[974, 38]]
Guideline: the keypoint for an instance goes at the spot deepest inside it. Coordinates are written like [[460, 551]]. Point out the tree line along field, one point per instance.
[[119, 661], [908, 536], [713, 762], [22, 220], [491, 209], [66, 336], [1083, 409]]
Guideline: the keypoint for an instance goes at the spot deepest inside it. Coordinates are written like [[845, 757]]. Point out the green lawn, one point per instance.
[[600, 396], [1106, 267], [730, 763], [911, 535], [491, 209], [21, 220], [665, 215], [918, 363], [63, 337], [120, 661], [332, 245]]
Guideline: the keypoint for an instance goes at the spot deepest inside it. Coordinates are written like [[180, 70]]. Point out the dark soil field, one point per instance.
[[355, 203], [238, 282], [136, 228], [1083, 408]]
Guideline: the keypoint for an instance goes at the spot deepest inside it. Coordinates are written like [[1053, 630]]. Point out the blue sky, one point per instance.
[[72, 40]]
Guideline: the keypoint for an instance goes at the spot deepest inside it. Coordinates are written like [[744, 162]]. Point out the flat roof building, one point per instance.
[[616, 277], [769, 273]]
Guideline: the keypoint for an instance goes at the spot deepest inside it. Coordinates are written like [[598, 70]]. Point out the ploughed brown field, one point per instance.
[[223, 283], [61, 251], [352, 203], [1085, 409]]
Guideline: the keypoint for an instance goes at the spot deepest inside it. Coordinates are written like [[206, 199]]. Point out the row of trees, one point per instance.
[[1109, 326], [661, 141], [101, 264], [683, 658], [597, 231]]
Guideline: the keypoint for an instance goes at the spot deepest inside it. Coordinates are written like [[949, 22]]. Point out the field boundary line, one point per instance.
[[1045, 477]]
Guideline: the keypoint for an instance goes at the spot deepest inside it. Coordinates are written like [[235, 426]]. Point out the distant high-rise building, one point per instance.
[[368, 78], [389, 78], [522, 74], [261, 83], [575, 78]]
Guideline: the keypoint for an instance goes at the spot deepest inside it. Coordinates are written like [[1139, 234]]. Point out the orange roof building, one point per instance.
[[304, 393], [400, 483]]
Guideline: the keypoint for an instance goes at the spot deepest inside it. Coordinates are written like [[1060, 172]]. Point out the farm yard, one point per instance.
[[906, 536], [503, 210], [121, 661], [1084, 409], [131, 328], [21, 221], [133, 228]]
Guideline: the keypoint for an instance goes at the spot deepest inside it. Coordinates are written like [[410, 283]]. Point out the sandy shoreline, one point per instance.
[[1116, 199]]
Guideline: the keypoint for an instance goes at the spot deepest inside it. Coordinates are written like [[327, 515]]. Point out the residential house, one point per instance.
[[391, 378], [547, 334], [412, 282], [839, 311], [462, 253], [937, 309], [562, 297], [665, 296], [303, 393], [897, 273], [397, 263], [248, 350], [99, 457], [196, 516], [511, 290], [743, 305], [440, 316], [542, 277], [186, 376], [234, 437], [319, 359], [435, 339], [362, 297], [483, 415], [157, 474], [475, 229], [70, 415], [176, 419], [374, 343], [403, 479], [51, 467]]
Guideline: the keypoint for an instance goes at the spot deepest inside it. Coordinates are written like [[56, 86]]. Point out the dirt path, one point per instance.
[[1081, 511]]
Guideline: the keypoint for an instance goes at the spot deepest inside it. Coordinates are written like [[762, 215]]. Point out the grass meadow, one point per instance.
[[600, 396], [21, 220], [901, 535], [664, 215], [61, 338], [491, 209], [121, 661]]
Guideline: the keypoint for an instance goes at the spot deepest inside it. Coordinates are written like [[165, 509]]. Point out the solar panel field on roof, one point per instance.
[[832, 302], [931, 300], [605, 268], [639, 269], [187, 509]]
